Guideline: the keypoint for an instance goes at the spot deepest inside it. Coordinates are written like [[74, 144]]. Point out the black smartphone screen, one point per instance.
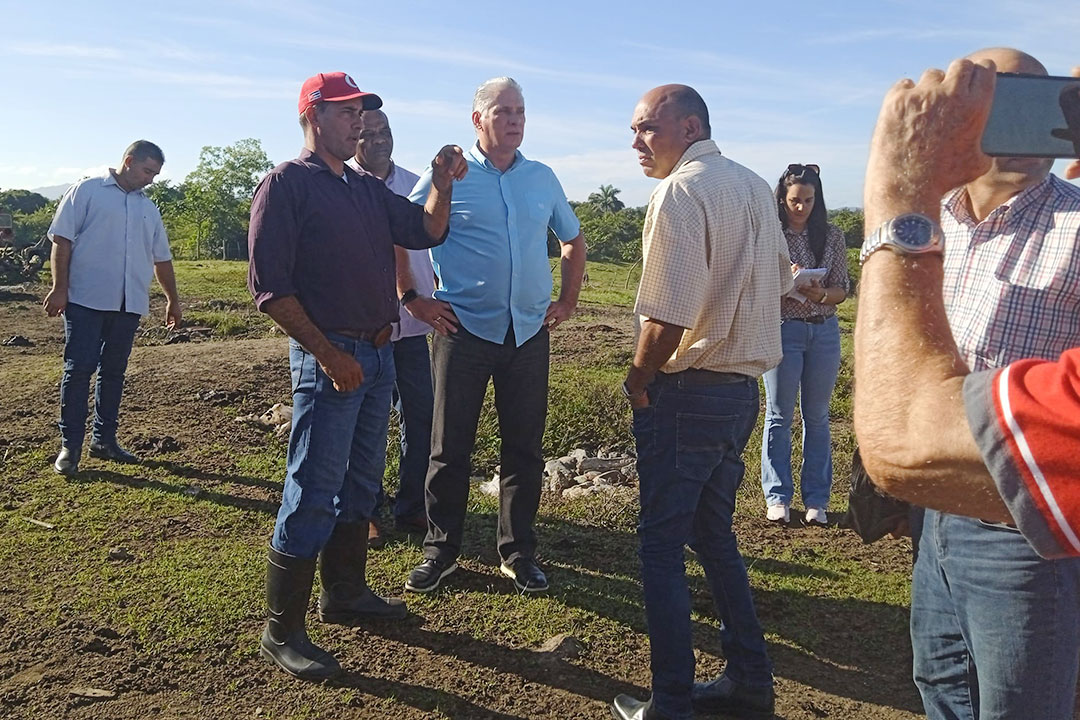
[[1034, 116]]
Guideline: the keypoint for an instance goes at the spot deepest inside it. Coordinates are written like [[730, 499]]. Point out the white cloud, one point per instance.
[[46, 49]]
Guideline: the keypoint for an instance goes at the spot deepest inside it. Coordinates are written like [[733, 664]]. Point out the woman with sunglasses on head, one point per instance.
[[811, 341]]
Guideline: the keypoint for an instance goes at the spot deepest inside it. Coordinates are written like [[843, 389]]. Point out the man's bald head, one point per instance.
[[667, 120], [683, 101], [1009, 60], [374, 116]]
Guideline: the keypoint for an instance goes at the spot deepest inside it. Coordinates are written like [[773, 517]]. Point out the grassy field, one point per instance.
[[180, 618]]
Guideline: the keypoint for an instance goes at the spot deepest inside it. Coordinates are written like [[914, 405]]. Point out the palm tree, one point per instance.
[[607, 200]]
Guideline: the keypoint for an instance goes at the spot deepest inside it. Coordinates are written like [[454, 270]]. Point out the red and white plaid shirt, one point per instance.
[[1012, 281]]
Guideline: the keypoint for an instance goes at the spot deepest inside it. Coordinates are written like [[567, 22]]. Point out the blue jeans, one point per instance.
[[689, 444], [811, 362], [337, 449], [413, 401], [995, 629], [95, 340]]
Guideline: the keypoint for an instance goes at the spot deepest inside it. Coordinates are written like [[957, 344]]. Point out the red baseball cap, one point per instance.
[[333, 87]]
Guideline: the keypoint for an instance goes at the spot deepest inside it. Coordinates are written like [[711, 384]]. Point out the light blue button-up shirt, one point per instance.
[[116, 237], [493, 268]]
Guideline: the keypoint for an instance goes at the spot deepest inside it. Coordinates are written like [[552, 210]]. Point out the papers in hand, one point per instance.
[[803, 277]]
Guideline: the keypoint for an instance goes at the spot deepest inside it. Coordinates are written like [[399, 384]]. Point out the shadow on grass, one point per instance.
[[420, 697], [261, 506], [539, 668], [848, 647], [185, 471]]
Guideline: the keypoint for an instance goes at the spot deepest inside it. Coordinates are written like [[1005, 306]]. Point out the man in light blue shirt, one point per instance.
[[108, 239], [493, 271]]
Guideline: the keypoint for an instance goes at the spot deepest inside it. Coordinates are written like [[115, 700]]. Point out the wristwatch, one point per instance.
[[908, 234], [631, 395], [408, 296]]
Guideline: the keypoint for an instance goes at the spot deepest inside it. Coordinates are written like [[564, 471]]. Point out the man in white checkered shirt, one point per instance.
[[995, 629], [715, 264]]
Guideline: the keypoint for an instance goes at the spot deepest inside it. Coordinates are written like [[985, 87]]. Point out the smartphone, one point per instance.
[[1034, 116]]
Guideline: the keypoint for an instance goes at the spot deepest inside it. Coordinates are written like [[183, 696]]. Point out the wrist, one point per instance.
[[631, 394], [891, 201], [408, 296], [637, 380]]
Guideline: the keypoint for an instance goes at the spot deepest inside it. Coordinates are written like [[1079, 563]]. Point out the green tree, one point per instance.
[[613, 236], [171, 201], [607, 199], [22, 202], [850, 220], [217, 198], [31, 227]]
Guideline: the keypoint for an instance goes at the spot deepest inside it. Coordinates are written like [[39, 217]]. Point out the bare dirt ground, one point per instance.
[[854, 662]]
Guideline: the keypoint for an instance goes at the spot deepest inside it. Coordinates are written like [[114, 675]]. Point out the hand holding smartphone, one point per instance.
[[1034, 116]]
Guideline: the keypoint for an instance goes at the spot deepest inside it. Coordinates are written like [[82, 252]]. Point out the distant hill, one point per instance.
[[52, 191]]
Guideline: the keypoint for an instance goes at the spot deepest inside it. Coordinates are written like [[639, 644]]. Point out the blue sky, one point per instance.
[[785, 82]]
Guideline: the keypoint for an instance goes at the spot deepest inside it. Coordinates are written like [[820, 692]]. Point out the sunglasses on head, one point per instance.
[[798, 170]]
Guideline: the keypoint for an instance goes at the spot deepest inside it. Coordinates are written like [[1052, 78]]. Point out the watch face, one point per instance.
[[913, 232]]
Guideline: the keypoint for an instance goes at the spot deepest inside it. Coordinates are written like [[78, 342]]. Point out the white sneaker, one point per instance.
[[778, 513], [816, 515]]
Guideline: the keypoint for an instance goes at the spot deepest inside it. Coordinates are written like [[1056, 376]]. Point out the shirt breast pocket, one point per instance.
[[539, 208], [1046, 262], [149, 229]]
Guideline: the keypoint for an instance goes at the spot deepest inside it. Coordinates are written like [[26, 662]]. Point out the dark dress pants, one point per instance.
[[462, 364]]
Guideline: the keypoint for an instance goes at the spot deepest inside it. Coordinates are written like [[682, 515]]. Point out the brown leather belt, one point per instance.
[[378, 338]]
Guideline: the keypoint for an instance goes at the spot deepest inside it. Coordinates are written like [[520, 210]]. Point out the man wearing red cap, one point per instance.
[[321, 243]]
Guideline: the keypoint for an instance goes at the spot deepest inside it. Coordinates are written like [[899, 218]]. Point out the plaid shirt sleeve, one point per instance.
[[675, 269]]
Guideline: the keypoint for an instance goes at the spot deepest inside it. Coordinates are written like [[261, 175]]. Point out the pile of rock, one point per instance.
[[579, 475], [278, 418]]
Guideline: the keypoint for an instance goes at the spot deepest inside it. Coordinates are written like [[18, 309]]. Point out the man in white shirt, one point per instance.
[[420, 312], [108, 239]]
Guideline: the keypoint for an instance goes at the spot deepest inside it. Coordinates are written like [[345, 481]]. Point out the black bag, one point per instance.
[[871, 513]]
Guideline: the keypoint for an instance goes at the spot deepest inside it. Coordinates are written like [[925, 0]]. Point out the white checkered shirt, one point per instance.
[[716, 263], [1012, 282]]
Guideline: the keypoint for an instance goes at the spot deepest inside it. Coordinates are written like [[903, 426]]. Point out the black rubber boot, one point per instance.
[[285, 641], [346, 598]]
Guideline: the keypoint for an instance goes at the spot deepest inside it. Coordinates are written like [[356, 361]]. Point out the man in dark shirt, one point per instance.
[[322, 266]]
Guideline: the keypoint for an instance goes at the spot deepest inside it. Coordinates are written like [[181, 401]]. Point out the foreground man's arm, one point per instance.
[[449, 165], [571, 273], [656, 344], [910, 418]]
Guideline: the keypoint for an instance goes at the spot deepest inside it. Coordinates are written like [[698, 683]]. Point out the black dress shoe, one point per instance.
[[724, 695], [426, 576], [627, 708], [526, 574], [111, 451], [67, 462]]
